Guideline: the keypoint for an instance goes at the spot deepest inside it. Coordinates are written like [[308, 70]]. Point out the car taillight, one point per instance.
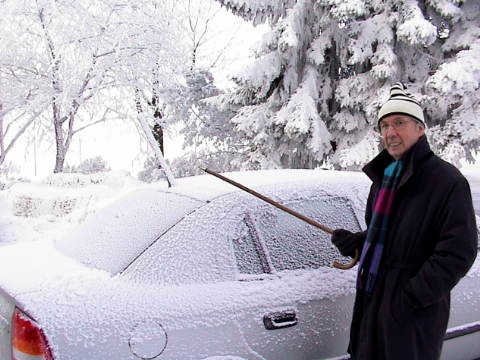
[[28, 340]]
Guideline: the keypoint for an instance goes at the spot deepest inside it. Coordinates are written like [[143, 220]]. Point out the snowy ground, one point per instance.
[[50, 207]]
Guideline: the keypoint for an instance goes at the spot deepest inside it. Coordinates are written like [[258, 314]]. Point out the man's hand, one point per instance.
[[345, 241]]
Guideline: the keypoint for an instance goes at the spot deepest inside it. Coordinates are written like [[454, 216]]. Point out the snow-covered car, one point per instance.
[[202, 271]]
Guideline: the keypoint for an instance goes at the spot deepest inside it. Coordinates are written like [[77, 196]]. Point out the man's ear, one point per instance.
[[422, 129]]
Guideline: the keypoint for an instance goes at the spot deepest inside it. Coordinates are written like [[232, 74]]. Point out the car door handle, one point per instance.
[[280, 319]]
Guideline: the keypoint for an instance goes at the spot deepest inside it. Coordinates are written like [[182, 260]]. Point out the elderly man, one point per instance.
[[421, 239]]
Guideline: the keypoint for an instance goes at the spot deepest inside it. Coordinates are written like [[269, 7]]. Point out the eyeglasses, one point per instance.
[[397, 124]]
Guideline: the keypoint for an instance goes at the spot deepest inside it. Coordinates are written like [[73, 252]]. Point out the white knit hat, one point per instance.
[[401, 102]]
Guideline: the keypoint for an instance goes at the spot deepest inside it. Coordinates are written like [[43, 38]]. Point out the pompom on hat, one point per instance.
[[401, 102]]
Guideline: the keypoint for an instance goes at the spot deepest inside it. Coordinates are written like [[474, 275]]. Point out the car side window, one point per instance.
[[248, 252], [293, 244]]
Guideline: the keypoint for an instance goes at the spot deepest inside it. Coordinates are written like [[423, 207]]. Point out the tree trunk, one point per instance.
[[157, 132], [158, 154], [60, 150], [154, 142]]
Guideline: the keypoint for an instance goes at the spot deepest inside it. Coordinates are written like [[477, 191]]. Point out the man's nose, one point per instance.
[[389, 131]]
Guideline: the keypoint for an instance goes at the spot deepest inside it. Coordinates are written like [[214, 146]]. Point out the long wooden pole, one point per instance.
[[286, 209]]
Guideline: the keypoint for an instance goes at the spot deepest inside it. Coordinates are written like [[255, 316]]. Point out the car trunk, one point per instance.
[[7, 306], [30, 275]]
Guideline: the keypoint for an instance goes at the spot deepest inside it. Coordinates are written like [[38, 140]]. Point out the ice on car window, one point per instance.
[[247, 252], [293, 244], [114, 236]]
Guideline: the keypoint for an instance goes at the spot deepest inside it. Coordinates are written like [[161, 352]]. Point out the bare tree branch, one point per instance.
[[102, 119]]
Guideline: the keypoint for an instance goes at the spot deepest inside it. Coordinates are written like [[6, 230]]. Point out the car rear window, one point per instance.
[[114, 236]]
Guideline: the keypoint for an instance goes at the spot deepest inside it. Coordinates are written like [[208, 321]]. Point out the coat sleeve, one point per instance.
[[454, 251]]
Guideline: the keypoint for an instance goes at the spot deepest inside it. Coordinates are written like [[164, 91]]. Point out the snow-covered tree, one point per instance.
[[67, 49], [69, 55], [89, 166], [206, 129], [204, 123], [192, 163], [21, 93], [14, 122], [320, 75], [151, 74]]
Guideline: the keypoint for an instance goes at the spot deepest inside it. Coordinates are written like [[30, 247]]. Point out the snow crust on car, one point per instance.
[[207, 187], [97, 316], [31, 267], [199, 248], [85, 312], [115, 235]]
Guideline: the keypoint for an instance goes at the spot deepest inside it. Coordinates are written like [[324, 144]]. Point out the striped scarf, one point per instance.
[[377, 230]]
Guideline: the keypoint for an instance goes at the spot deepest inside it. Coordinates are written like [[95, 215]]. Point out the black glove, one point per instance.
[[345, 241]]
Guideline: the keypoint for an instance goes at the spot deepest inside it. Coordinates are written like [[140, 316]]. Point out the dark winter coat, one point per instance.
[[431, 244]]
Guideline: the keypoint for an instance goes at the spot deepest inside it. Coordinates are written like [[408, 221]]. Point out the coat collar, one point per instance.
[[413, 158]]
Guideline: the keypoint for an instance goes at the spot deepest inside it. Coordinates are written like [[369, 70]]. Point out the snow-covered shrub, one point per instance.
[[76, 180], [27, 206], [70, 197], [89, 166], [151, 171], [9, 175], [190, 164], [45, 209]]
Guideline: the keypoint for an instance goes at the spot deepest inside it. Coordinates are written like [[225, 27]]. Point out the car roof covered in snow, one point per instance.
[[207, 187]]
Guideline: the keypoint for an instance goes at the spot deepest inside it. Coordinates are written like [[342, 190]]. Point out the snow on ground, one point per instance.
[[47, 208]]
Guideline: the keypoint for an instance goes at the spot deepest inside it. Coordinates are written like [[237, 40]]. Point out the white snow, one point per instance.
[[121, 231], [46, 279], [41, 278], [36, 265], [50, 207]]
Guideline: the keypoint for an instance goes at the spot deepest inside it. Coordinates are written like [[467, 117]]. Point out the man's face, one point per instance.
[[400, 133]]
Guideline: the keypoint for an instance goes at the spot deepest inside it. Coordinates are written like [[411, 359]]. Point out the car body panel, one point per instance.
[[321, 328], [465, 310]]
